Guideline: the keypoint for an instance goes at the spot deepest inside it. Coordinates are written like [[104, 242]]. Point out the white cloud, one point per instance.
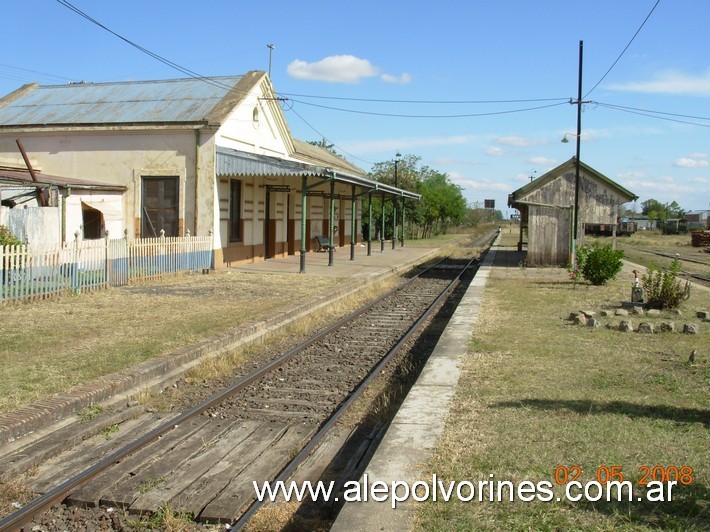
[[402, 79], [484, 185], [520, 142], [699, 180], [670, 82], [667, 186], [403, 144], [631, 175], [526, 177], [494, 151], [543, 160], [334, 69], [446, 161], [692, 162]]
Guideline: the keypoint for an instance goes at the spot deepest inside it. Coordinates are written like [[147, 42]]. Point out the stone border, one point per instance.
[[588, 318]]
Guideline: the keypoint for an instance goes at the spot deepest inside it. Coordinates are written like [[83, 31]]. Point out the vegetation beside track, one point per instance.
[[538, 393], [52, 345]]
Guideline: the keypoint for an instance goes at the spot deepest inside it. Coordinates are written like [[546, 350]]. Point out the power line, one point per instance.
[[16, 76], [654, 114], [328, 140], [625, 48], [464, 115], [419, 102], [171, 64]]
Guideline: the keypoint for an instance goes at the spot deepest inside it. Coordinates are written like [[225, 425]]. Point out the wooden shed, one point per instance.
[[546, 208]]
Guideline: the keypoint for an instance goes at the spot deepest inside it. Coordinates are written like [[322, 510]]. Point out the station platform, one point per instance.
[[360, 266]]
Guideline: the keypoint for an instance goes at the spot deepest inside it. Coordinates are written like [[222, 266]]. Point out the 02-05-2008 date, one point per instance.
[[683, 474]]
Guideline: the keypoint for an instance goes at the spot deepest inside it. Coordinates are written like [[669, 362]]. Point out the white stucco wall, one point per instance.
[[115, 158]]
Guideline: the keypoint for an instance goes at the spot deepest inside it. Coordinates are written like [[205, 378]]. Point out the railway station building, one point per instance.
[[196, 156], [547, 206]]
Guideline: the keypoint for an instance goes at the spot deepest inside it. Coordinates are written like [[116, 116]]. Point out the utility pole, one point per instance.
[[578, 102], [579, 141], [271, 50]]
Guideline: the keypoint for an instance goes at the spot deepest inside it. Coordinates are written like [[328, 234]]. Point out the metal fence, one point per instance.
[[36, 272]]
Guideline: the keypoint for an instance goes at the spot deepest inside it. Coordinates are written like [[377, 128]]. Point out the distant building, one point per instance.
[[698, 219], [643, 223], [547, 203]]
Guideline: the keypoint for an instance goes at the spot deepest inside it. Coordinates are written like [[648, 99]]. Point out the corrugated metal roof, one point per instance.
[[312, 154], [161, 101], [232, 162], [12, 176]]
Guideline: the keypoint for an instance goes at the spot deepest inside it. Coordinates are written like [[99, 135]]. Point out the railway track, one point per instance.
[[703, 278], [203, 461]]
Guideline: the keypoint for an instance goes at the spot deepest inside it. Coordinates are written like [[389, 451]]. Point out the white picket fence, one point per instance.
[[36, 272]]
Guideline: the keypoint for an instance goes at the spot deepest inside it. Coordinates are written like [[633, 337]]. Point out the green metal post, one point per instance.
[[331, 220], [352, 224], [369, 224], [304, 215], [382, 229]]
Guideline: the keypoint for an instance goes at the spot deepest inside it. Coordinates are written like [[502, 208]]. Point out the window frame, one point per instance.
[[235, 210]]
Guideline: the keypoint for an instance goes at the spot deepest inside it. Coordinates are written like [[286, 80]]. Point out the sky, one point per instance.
[[482, 90]]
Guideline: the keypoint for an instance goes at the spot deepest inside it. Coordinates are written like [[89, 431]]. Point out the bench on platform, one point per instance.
[[323, 243]]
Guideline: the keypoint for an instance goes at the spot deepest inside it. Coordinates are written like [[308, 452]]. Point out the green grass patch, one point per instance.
[[538, 392]]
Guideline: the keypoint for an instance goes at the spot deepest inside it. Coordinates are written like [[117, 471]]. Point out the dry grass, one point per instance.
[[13, 495], [281, 516], [50, 346], [538, 392]]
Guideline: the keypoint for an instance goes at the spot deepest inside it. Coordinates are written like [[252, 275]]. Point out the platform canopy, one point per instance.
[[233, 162]]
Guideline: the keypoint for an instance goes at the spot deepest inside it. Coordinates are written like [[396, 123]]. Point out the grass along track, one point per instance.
[[537, 392]]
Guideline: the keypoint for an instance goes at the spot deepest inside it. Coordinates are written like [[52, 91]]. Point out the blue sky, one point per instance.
[[375, 78]]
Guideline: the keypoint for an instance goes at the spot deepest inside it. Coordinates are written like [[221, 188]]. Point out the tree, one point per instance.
[[323, 143], [442, 204], [655, 210]]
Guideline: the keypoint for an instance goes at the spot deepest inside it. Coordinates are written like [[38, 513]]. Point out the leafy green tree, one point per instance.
[[655, 210], [441, 207], [323, 143]]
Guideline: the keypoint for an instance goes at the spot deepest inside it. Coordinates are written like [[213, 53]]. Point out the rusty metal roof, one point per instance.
[[135, 102], [19, 177]]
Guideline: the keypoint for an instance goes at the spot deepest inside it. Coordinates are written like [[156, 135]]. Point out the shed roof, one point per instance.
[[190, 100], [569, 165], [19, 177]]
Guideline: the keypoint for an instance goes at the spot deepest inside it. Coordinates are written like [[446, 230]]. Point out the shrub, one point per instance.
[[599, 263], [7, 238], [663, 289]]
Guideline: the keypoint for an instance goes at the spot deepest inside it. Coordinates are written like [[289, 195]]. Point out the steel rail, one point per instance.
[[25, 515], [671, 256], [333, 419]]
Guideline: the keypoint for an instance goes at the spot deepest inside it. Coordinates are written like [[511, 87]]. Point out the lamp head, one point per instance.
[[565, 139]]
